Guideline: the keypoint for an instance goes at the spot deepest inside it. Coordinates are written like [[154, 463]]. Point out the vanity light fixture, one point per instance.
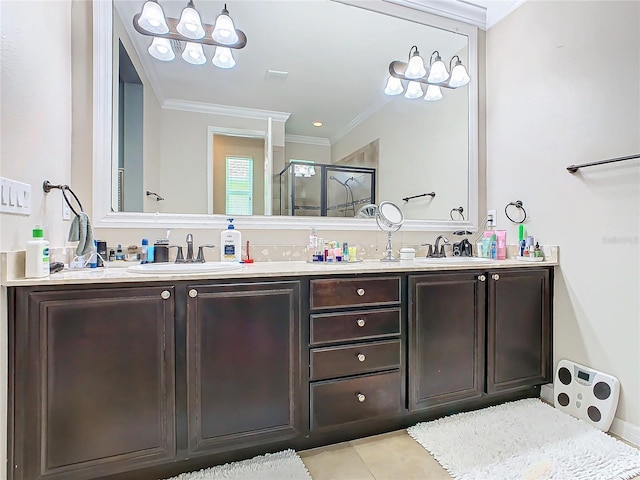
[[434, 77], [189, 29]]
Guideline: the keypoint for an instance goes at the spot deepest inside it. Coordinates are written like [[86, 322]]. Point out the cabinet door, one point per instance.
[[446, 338], [243, 372], [94, 381], [518, 329]]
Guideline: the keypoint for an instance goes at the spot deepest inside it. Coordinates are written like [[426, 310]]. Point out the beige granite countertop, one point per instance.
[[262, 270]]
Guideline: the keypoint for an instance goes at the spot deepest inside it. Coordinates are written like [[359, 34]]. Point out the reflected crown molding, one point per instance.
[[322, 141], [462, 11], [226, 110]]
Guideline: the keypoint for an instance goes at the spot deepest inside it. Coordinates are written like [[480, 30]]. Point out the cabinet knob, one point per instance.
[[361, 357], [193, 293], [361, 322], [482, 278], [361, 398], [495, 276], [165, 294], [360, 291]]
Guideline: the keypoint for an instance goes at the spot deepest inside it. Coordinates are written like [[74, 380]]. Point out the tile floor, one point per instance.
[[389, 456]]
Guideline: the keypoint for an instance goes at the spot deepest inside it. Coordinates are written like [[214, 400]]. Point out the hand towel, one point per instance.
[[82, 233]]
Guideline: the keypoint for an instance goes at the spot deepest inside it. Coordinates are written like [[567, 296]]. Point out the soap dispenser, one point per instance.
[[230, 244]]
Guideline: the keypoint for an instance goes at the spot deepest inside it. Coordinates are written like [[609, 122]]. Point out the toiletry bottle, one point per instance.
[[493, 249], [37, 255], [230, 244], [313, 245], [144, 251], [151, 250], [537, 251], [119, 253], [345, 252]]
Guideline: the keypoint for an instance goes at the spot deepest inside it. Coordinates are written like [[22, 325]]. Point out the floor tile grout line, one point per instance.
[[363, 460]]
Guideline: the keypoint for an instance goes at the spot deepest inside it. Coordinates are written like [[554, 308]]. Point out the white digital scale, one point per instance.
[[586, 393]]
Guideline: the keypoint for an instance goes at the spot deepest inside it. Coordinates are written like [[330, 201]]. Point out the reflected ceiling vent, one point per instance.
[[177, 46], [276, 75]]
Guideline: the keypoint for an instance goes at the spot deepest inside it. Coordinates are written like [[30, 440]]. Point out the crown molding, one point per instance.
[[226, 110], [322, 141], [454, 9]]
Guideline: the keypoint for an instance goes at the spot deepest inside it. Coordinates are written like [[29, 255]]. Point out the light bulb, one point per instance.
[[438, 72], [394, 86], [413, 90], [223, 58], [194, 54], [415, 69], [190, 25], [152, 18], [459, 76], [433, 93], [224, 32], [161, 49]]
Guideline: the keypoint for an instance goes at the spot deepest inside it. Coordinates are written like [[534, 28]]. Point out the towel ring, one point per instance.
[[47, 186], [518, 205]]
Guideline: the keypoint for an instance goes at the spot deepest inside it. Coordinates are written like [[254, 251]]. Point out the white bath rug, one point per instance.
[[525, 440], [285, 465]]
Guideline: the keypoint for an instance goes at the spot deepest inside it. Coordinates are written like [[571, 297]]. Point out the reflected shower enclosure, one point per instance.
[[312, 189]]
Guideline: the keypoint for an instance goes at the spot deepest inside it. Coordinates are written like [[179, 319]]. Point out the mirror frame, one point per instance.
[[103, 217]]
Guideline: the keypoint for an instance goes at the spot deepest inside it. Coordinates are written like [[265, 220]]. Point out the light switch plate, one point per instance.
[[15, 197]]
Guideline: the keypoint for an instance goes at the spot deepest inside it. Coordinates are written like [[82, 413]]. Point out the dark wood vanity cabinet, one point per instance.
[[93, 384], [243, 373], [145, 380], [355, 350], [519, 328], [446, 338], [478, 333]]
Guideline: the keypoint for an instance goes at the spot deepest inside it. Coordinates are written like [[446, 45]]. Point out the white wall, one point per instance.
[[563, 87], [35, 108], [35, 116]]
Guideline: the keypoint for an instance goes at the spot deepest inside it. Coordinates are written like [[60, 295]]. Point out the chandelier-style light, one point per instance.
[[189, 29], [416, 74]]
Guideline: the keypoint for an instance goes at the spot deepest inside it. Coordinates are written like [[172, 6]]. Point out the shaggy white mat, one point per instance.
[[525, 440], [285, 465]]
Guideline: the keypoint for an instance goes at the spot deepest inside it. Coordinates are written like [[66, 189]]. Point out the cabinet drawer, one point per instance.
[[337, 327], [360, 398], [332, 362], [329, 293]]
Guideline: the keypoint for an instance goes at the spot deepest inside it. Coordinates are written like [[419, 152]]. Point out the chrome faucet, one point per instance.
[[439, 253], [189, 248], [199, 259]]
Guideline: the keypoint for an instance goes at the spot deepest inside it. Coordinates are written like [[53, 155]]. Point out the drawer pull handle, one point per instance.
[[165, 294], [495, 276], [482, 278], [361, 322], [361, 397], [361, 357], [360, 291], [193, 293]]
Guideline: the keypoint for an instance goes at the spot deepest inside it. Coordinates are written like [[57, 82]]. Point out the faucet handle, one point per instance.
[[200, 257], [179, 255], [430, 250]]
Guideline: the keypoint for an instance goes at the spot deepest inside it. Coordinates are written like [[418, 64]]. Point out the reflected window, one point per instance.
[[239, 186]]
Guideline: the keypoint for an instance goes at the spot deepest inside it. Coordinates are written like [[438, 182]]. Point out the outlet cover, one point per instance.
[[492, 220]]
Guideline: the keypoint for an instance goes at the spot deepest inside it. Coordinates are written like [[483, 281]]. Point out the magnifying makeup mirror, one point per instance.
[[389, 218]]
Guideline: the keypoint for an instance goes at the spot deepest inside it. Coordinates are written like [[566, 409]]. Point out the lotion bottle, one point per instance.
[[230, 244], [37, 255]]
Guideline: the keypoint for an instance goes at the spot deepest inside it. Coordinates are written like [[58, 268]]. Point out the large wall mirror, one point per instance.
[[172, 139]]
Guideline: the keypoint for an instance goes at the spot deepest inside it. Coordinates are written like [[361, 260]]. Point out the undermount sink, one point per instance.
[[183, 268], [455, 260]]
